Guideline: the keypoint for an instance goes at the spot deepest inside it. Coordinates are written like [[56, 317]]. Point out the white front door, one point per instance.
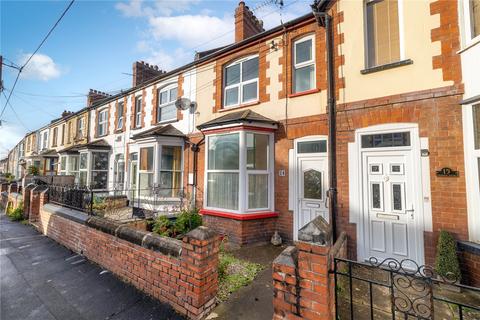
[[389, 205], [312, 189]]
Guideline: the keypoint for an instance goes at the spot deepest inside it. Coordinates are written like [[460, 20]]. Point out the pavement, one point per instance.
[[42, 280], [255, 301]]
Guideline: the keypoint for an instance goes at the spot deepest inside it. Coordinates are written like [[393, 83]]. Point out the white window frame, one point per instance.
[[118, 163], [102, 123], [470, 39], [401, 31], [153, 171], [170, 102], [44, 140], [120, 117], [91, 171], [160, 169], [240, 84], [86, 170], [80, 127], [296, 66], [137, 113], [243, 173]]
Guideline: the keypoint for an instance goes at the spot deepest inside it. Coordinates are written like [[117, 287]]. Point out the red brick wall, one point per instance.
[[303, 288], [470, 265], [188, 282], [242, 232]]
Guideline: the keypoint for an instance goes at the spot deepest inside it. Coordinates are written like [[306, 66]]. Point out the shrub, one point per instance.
[[185, 222], [32, 170], [15, 214], [446, 262]]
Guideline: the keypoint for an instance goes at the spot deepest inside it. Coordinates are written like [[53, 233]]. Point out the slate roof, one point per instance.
[[48, 153], [160, 131], [95, 145], [247, 116]]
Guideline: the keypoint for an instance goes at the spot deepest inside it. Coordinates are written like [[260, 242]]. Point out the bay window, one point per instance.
[[73, 167], [166, 109], [304, 64], [99, 170], [63, 165], [170, 181], [382, 32], [240, 83], [146, 171], [83, 169], [102, 123], [239, 171]]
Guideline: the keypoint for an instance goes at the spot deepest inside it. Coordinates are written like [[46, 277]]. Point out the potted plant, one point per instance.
[[446, 262], [32, 170]]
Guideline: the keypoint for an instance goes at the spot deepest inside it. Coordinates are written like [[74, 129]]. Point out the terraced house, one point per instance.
[[246, 132]]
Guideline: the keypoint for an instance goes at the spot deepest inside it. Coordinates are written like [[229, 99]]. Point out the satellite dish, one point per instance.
[[183, 103]]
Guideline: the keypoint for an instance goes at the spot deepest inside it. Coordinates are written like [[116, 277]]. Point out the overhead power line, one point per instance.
[[15, 113], [34, 52]]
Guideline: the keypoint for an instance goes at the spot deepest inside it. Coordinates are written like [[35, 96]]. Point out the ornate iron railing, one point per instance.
[[118, 203], [392, 289]]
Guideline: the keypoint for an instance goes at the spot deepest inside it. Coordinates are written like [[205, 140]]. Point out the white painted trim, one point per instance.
[[294, 181], [471, 174], [356, 205], [291, 179]]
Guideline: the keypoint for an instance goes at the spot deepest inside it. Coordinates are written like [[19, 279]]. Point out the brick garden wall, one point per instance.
[[303, 288], [180, 273]]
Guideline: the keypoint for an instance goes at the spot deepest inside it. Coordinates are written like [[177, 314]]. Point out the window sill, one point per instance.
[[166, 121], [239, 216], [303, 93], [387, 66], [470, 44], [246, 105]]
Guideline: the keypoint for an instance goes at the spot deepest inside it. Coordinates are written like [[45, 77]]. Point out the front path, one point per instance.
[[39, 279]]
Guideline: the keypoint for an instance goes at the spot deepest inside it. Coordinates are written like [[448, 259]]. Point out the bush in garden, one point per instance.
[[15, 214], [185, 222], [32, 170], [446, 262]]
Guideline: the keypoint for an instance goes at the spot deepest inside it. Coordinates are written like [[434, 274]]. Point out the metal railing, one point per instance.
[[393, 289], [119, 203]]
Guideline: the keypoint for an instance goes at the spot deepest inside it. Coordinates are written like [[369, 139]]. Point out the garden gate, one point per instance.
[[392, 289]]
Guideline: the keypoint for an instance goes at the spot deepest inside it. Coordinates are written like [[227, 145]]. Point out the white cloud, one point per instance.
[[138, 8], [10, 135], [168, 61], [40, 67], [193, 30]]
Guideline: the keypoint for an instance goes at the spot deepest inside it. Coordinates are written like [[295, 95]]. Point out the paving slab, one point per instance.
[[40, 279]]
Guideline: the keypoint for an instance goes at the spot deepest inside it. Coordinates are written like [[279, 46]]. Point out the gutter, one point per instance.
[[320, 11]]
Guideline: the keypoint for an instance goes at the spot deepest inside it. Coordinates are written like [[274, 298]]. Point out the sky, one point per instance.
[[96, 43]]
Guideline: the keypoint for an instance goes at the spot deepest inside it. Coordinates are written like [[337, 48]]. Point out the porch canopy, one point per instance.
[[239, 166]]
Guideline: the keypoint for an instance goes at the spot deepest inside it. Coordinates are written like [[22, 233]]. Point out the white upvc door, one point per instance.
[[312, 184], [390, 205]]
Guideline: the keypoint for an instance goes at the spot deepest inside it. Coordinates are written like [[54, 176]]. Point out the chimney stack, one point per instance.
[[246, 24], [95, 95], [66, 113], [143, 72]]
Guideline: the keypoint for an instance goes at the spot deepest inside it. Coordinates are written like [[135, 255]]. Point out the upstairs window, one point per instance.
[[120, 115], [69, 132], [383, 35], [240, 83], [304, 65], [45, 141], [63, 134], [475, 18], [54, 138], [138, 112], [102, 123], [80, 128], [166, 109]]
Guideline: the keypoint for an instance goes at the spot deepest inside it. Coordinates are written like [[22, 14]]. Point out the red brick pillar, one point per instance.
[[199, 256], [303, 288], [26, 200], [12, 188], [4, 187], [38, 197]]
